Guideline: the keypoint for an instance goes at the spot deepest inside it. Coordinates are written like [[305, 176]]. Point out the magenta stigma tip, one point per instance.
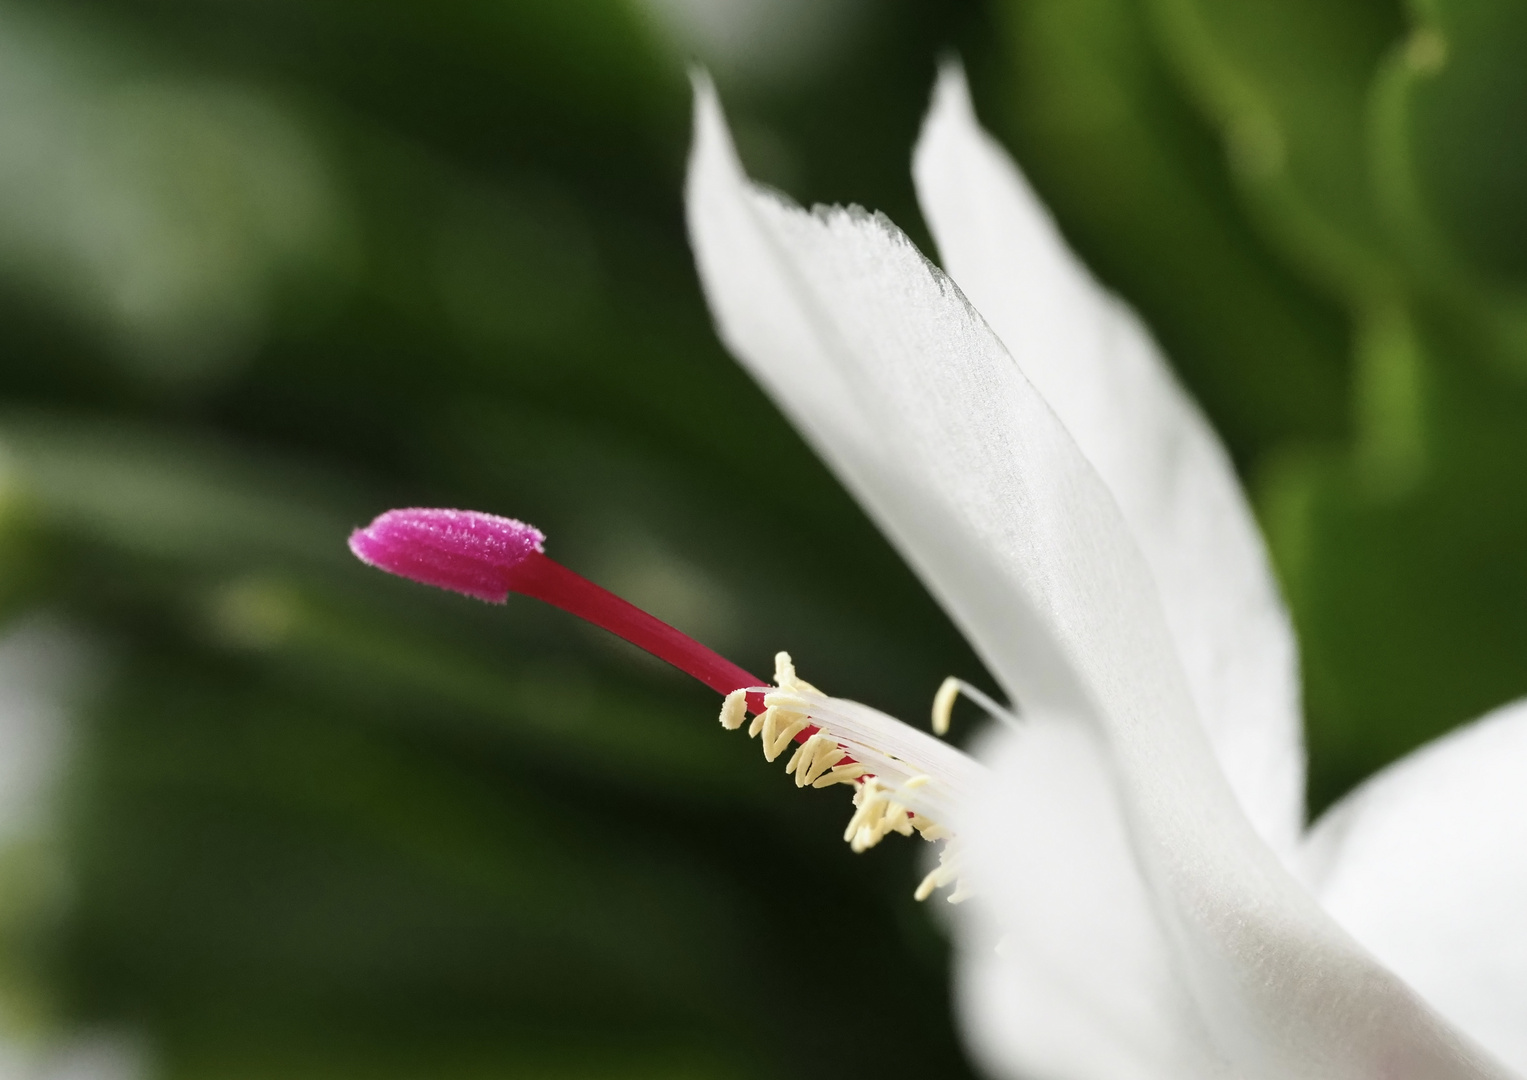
[[461, 550]]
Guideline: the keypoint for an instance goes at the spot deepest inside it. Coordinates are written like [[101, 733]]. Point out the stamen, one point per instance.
[[943, 704], [802, 758], [785, 729], [816, 755], [843, 774], [947, 872], [950, 689]]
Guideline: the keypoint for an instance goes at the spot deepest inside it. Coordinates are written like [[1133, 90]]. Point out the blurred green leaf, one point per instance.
[[1463, 92], [1288, 84], [1450, 151], [1411, 606], [1137, 181]]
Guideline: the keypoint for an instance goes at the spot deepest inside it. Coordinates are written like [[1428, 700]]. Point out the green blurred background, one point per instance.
[[268, 267]]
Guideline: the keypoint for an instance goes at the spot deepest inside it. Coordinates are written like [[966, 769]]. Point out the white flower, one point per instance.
[[1147, 901]]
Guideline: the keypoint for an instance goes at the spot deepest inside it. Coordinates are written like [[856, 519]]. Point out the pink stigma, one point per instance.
[[461, 550]]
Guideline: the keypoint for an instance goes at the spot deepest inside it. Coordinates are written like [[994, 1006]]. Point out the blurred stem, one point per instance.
[[1390, 402]]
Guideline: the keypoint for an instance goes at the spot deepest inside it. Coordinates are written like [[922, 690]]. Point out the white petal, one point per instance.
[[1100, 371], [1426, 864], [908, 395], [1065, 970]]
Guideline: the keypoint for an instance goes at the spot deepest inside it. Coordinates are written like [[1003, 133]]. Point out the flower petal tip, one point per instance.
[[461, 550], [700, 81]]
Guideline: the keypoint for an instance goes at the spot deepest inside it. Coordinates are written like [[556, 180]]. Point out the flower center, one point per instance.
[[904, 781]]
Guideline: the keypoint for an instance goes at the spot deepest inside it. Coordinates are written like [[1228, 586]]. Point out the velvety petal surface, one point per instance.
[[1426, 864], [910, 397], [1097, 367]]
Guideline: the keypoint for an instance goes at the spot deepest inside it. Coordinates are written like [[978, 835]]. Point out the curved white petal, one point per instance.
[[1426, 864], [1065, 971], [913, 401], [1100, 371]]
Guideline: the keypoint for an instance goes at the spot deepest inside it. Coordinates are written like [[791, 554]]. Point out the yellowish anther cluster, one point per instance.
[[816, 762], [876, 816], [819, 762]]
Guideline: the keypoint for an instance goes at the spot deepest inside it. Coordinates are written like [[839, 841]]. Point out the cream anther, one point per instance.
[[946, 873], [943, 704], [734, 710], [815, 756], [842, 774], [950, 690]]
